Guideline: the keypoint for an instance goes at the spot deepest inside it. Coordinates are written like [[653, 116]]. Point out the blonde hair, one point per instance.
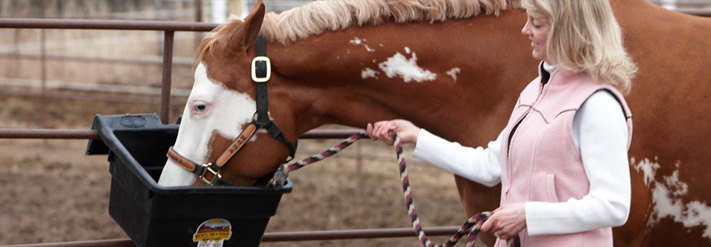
[[585, 37]]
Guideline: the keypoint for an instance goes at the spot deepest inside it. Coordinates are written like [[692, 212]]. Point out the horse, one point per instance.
[[454, 68]]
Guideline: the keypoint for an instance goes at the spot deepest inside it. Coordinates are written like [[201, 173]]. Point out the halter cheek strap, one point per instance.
[[210, 172], [260, 72]]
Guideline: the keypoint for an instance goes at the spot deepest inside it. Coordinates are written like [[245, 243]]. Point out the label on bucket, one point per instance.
[[212, 233]]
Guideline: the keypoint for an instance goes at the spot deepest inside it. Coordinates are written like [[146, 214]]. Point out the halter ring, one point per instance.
[[215, 175]]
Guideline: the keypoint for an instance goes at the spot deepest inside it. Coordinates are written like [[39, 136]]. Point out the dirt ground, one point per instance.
[[51, 192]]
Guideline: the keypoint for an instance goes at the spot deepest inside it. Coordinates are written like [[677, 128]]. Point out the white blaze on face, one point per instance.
[[407, 69], [668, 196], [224, 111]]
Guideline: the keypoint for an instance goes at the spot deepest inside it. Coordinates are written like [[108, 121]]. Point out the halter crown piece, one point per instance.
[[261, 71]]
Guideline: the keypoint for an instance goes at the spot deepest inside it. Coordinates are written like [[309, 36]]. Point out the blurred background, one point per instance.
[[56, 78]]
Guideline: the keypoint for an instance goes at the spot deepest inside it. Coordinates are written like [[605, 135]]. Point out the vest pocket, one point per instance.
[[550, 188]]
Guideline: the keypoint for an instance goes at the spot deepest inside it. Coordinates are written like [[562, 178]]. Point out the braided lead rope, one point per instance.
[[471, 226], [325, 154]]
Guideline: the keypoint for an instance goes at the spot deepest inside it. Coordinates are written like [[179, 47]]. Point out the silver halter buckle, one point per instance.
[[254, 69]]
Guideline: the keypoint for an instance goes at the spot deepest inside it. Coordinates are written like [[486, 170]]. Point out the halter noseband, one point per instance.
[[261, 71]]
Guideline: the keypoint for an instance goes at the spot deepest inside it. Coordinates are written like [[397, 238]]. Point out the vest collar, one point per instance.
[[559, 77]]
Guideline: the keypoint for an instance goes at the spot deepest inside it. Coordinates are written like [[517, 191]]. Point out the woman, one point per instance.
[[562, 159]]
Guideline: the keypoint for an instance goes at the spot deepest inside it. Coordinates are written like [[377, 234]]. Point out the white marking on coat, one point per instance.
[[668, 198], [453, 73], [399, 65], [367, 48], [369, 73], [649, 169], [358, 41], [407, 50]]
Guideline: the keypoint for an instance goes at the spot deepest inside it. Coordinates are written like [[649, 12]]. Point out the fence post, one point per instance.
[[167, 75]]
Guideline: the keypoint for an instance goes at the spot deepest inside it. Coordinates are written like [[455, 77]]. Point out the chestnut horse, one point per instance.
[[455, 68]]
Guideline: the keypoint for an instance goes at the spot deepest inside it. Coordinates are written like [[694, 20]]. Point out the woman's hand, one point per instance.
[[506, 221], [404, 129]]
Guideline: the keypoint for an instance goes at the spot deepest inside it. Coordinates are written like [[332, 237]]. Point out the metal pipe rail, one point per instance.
[[106, 24], [180, 101], [93, 134], [696, 12], [282, 236], [184, 62]]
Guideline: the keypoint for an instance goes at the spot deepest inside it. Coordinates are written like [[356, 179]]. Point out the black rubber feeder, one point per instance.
[[154, 215]]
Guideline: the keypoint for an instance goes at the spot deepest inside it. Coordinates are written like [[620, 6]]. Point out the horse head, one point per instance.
[[223, 104]]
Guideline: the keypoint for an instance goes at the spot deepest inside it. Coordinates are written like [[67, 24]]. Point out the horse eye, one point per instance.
[[200, 107]]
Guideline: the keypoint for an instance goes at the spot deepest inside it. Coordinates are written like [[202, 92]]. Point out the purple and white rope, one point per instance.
[[325, 154], [472, 226]]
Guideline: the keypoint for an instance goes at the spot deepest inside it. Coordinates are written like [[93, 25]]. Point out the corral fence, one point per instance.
[[169, 28]]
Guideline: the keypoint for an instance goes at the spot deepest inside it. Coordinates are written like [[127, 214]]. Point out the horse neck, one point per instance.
[[325, 74]]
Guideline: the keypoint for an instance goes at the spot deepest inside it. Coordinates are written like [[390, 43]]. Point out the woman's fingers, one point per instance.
[[506, 221], [382, 131], [493, 227], [369, 129], [379, 131], [488, 224]]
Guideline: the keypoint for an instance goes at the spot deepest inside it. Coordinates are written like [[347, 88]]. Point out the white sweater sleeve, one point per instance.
[[477, 164], [601, 131]]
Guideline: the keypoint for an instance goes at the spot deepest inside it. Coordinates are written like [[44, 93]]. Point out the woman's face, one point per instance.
[[536, 30]]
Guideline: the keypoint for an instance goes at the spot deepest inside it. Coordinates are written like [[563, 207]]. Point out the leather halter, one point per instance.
[[209, 173]]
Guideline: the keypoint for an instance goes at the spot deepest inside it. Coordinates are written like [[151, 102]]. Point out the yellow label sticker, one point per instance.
[[213, 232]]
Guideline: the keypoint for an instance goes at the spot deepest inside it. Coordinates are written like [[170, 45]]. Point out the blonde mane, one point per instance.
[[331, 15]]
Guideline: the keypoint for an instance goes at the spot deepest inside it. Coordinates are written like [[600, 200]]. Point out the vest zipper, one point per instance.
[[511, 136], [508, 152], [519, 121], [513, 132]]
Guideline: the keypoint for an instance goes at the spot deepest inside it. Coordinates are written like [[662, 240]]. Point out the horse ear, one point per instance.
[[250, 27]]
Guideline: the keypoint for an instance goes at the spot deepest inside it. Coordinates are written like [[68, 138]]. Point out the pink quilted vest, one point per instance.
[[541, 162]]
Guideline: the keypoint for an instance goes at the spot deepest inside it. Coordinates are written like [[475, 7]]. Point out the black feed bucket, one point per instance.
[[154, 215]]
